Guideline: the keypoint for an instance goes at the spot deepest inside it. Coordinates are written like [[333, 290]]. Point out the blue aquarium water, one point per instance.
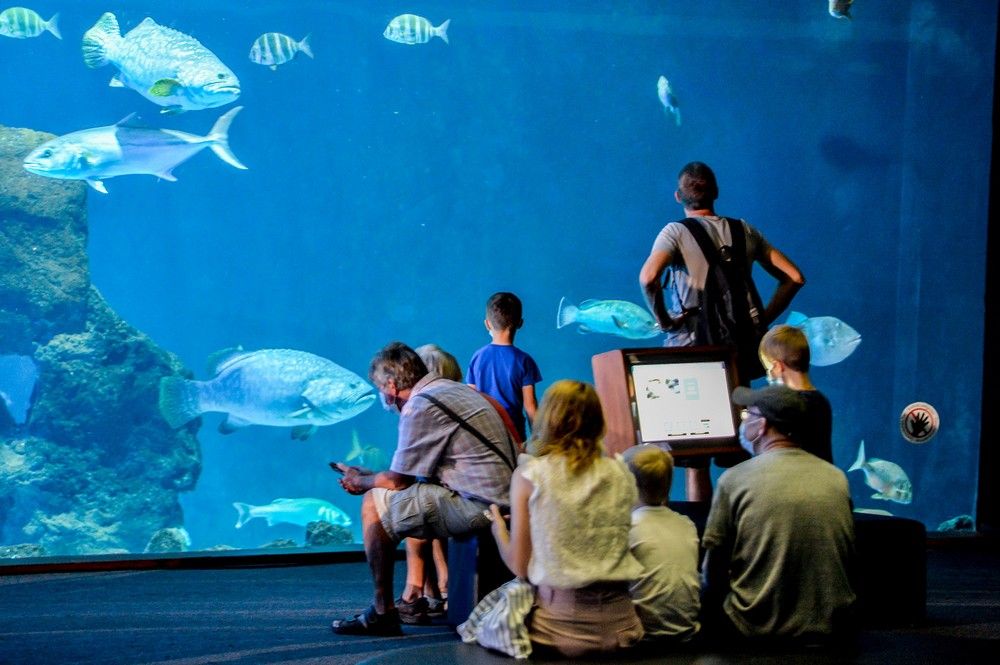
[[390, 188]]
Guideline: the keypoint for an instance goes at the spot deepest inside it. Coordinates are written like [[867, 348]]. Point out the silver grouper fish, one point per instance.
[[614, 317], [293, 511], [125, 149], [277, 387], [830, 339], [888, 479], [167, 67]]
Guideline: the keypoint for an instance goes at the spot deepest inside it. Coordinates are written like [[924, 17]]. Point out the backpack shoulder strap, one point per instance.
[[705, 244], [512, 462]]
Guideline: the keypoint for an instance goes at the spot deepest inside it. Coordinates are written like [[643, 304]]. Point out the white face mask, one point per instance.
[[774, 380], [746, 442]]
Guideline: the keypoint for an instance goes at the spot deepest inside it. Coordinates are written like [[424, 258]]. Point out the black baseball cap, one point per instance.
[[785, 409]]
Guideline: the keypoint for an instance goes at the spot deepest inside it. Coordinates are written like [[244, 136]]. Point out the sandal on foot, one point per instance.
[[371, 623]]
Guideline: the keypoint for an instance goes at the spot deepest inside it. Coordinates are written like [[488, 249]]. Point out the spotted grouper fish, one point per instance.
[[276, 387], [167, 67]]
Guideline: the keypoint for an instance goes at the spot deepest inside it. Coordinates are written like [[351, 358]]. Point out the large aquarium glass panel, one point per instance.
[[212, 216]]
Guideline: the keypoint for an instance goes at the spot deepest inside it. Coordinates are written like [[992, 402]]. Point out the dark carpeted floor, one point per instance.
[[282, 614]]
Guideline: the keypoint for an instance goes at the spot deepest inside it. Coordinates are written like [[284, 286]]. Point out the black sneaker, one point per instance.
[[437, 607], [371, 623], [413, 613]]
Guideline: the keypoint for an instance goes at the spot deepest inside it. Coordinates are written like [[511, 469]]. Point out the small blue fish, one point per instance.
[[670, 104], [411, 29], [369, 457], [293, 511], [277, 387], [21, 23], [830, 339], [167, 67], [841, 8], [18, 375], [614, 317], [126, 149], [273, 48], [888, 480]]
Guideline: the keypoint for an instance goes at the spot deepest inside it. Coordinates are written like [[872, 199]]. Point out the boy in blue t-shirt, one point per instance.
[[500, 369]]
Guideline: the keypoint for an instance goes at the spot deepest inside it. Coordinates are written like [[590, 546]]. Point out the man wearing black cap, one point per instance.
[[780, 533]]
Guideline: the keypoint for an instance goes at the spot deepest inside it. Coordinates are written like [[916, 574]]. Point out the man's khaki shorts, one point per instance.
[[423, 510]]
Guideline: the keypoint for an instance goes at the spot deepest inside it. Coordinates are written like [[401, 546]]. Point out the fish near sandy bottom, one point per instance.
[[887, 478], [411, 29], [276, 387], [830, 339], [125, 149], [22, 23], [613, 317], [167, 67], [292, 511], [273, 48]]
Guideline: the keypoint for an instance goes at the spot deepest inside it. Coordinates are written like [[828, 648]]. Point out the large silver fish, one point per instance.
[[124, 149], [887, 478], [830, 339], [293, 511], [614, 317], [167, 67], [277, 387], [841, 8], [667, 98]]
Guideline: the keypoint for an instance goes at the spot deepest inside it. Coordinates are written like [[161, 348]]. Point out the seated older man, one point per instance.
[[780, 533], [454, 457]]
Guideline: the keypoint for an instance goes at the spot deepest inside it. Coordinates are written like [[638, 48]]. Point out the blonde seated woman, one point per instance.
[[570, 515]]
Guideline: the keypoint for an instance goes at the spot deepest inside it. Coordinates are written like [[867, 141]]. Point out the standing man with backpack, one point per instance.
[[698, 285]]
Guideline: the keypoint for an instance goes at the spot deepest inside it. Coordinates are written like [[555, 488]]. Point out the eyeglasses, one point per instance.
[[746, 413]]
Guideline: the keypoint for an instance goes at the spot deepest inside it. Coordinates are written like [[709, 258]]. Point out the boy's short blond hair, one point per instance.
[[653, 469], [787, 344]]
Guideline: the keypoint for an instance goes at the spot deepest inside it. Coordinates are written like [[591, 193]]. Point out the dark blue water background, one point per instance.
[[393, 188]]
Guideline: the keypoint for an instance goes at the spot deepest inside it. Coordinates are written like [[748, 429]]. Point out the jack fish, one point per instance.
[[841, 8], [412, 29], [21, 23], [277, 387], [888, 480], [667, 98], [293, 511], [125, 149], [165, 66], [614, 317], [830, 339]]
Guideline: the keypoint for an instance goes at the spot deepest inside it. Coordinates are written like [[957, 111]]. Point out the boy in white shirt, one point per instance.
[[667, 593]]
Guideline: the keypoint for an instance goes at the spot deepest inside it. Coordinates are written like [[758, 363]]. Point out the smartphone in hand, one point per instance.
[[337, 466]]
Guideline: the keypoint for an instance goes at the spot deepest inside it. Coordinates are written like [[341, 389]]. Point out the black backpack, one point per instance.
[[729, 309]]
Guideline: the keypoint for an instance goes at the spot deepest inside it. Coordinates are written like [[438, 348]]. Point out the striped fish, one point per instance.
[[273, 48], [21, 23], [413, 29]]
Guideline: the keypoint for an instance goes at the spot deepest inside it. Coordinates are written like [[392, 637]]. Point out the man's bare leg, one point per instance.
[[380, 550], [698, 484]]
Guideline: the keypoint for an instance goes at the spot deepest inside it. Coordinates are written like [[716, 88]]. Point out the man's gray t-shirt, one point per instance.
[[687, 279], [786, 515], [433, 445]]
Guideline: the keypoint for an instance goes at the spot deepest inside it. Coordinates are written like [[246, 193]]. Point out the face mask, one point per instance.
[[774, 380], [745, 441], [389, 403]]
